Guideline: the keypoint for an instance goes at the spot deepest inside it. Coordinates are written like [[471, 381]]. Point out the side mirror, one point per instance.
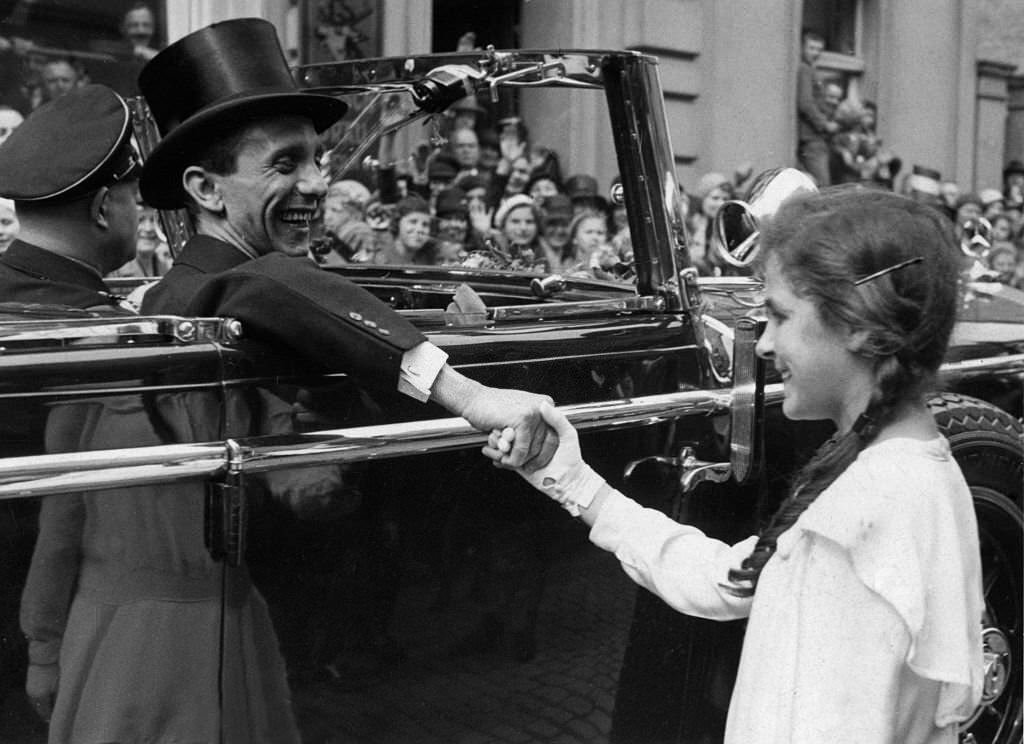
[[737, 226]]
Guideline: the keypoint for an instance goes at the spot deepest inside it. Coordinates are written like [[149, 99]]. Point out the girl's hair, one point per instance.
[[875, 262]]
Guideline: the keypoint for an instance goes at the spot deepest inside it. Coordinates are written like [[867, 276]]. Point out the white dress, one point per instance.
[[866, 623]]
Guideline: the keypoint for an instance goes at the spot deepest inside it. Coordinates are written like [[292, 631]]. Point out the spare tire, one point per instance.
[[988, 444]]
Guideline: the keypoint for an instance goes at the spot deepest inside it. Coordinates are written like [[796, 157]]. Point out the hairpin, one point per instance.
[[889, 270]]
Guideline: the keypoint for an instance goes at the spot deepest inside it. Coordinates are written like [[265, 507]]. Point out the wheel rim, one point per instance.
[[998, 717]]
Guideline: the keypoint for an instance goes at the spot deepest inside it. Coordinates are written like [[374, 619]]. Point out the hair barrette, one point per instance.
[[889, 270]]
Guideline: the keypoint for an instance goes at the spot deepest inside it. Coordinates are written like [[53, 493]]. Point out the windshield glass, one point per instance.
[[472, 166]]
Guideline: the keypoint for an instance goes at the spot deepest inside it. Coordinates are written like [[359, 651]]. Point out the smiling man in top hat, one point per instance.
[[72, 170], [239, 152]]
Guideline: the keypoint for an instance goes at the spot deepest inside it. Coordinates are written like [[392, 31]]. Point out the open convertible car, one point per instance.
[[416, 593]]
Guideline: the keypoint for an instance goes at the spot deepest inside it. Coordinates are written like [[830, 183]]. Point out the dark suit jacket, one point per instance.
[[32, 275], [287, 301]]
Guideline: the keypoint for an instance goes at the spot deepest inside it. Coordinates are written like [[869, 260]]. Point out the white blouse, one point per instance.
[[866, 623]]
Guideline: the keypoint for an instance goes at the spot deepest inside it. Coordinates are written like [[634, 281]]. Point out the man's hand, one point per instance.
[[530, 440], [41, 686]]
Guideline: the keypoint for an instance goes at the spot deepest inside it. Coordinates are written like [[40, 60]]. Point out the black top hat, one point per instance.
[[214, 79]]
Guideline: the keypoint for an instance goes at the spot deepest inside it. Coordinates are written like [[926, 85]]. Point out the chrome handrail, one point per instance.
[[120, 327], [40, 475]]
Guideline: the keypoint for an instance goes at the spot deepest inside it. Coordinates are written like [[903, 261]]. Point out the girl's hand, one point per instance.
[[566, 478]]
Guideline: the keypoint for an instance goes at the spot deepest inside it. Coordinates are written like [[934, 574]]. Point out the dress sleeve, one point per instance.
[[677, 562]]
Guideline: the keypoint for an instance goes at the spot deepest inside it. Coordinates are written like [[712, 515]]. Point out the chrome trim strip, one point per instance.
[[1011, 364], [652, 352], [40, 475], [170, 455], [553, 311], [27, 477], [70, 330]]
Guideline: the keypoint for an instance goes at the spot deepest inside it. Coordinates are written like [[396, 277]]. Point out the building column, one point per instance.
[[1015, 119], [927, 89], [747, 103], [991, 123], [406, 26]]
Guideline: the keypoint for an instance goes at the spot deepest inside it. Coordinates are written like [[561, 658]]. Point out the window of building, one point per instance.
[[53, 44], [841, 23]]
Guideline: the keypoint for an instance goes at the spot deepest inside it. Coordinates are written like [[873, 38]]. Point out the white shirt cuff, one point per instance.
[[420, 367]]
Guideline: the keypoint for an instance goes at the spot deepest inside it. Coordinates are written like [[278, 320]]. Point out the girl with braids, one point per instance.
[[863, 594]]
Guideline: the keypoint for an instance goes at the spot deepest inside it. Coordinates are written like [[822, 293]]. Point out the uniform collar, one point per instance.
[[49, 266]]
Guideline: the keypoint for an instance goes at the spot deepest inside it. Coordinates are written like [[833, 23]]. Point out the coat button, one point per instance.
[[355, 316], [384, 331], [369, 323]]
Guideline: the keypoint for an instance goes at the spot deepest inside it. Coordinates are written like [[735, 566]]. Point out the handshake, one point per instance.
[[558, 469]]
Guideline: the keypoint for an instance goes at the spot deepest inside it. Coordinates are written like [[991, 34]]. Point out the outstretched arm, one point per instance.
[[679, 563], [530, 441]]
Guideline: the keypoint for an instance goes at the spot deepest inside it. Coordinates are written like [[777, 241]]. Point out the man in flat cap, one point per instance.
[[239, 152], [71, 170]]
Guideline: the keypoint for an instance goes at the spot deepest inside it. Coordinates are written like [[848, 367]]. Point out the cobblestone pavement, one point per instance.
[[564, 695]]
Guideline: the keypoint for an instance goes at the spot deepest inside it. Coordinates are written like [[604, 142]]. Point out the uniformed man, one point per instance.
[[239, 152], [72, 171]]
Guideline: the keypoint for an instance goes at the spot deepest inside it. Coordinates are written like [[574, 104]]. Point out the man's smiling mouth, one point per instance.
[[298, 217]]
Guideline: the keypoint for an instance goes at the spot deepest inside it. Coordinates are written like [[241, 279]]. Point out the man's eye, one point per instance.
[[286, 165]]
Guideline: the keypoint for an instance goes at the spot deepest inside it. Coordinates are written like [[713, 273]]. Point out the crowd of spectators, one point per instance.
[[838, 143], [989, 221], [489, 197]]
